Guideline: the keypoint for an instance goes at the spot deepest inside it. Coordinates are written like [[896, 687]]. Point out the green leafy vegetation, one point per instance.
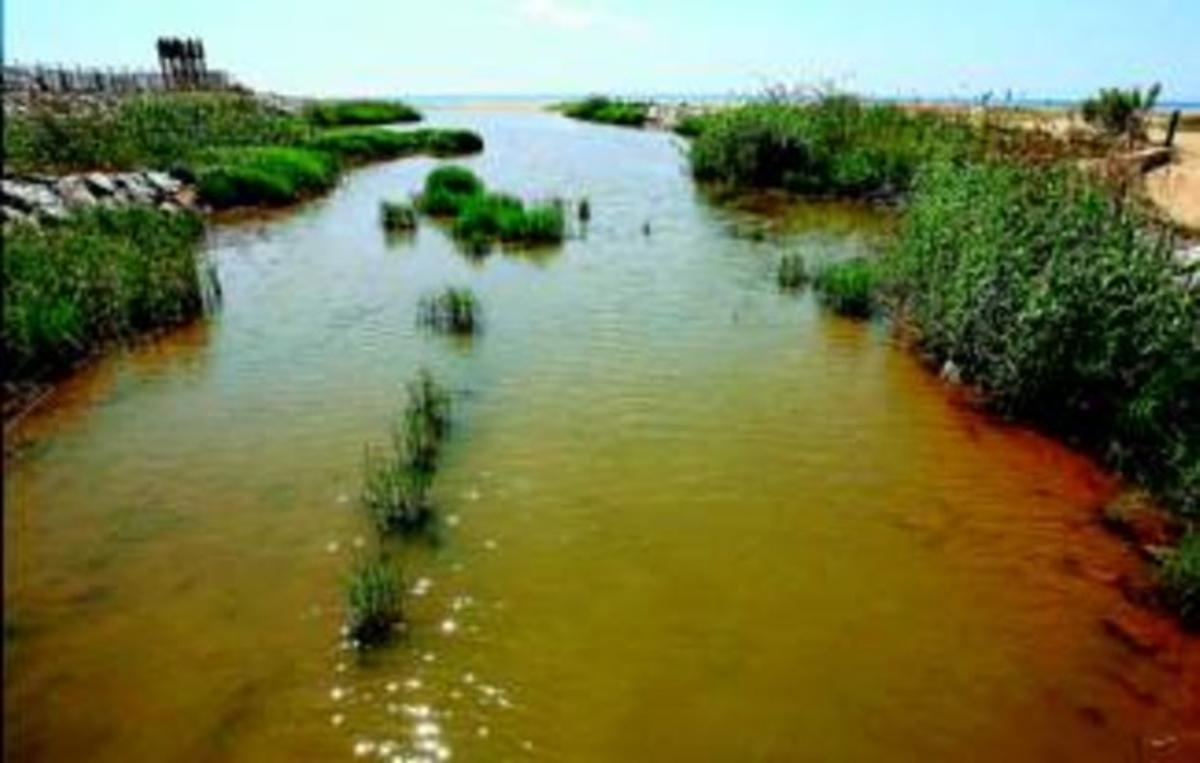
[[1181, 579], [102, 276], [453, 310], [848, 286], [481, 217], [1064, 306], [267, 175], [792, 273], [692, 125], [364, 144], [373, 602], [836, 145], [397, 217], [1121, 112], [613, 111], [339, 113]]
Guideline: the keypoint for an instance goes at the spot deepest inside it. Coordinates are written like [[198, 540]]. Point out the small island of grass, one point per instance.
[[360, 112], [605, 110]]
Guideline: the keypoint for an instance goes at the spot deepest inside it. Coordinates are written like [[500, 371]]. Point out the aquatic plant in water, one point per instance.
[[453, 310], [848, 286], [792, 273], [397, 217], [373, 602]]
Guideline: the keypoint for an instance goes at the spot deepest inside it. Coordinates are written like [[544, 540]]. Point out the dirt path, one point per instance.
[[1175, 188]]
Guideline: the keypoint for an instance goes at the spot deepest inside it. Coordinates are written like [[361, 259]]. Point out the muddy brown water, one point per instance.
[[687, 517]]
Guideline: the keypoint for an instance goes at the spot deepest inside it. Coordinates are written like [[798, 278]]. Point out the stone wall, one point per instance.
[[48, 198]]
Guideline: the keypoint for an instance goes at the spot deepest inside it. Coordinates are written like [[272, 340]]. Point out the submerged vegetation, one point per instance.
[[613, 111], [338, 113], [1064, 306], [792, 273], [848, 286], [481, 217], [454, 310], [373, 601], [397, 217], [103, 276]]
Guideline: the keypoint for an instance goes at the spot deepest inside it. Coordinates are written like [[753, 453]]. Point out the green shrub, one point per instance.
[[141, 131], [692, 125], [268, 175], [499, 217], [1065, 306], [848, 286], [102, 276], [397, 217], [339, 113], [373, 602], [452, 310], [792, 273], [834, 146], [1181, 579], [447, 188], [1121, 112], [598, 108]]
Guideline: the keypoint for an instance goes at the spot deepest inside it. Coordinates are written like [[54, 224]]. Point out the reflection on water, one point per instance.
[[684, 516]]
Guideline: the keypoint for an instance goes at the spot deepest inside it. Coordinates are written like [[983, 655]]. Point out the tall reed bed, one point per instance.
[[481, 218], [103, 276]]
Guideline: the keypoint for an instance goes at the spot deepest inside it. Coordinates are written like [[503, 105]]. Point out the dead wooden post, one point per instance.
[[1172, 126]]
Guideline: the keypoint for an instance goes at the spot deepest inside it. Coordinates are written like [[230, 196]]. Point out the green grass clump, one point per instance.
[[363, 144], [1121, 112], [453, 310], [447, 189], [142, 131], [499, 217], [848, 287], [1065, 306], [397, 482], [693, 124], [836, 145], [267, 175], [613, 111], [102, 276], [792, 273], [373, 602], [1180, 574], [397, 217], [341, 113]]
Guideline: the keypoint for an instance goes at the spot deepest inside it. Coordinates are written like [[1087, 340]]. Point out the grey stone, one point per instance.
[[26, 196], [138, 189], [951, 373], [55, 212], [73, 191], [164, 183], [100, 183]]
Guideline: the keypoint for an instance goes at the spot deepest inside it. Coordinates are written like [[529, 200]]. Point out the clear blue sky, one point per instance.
[[1056, 48]]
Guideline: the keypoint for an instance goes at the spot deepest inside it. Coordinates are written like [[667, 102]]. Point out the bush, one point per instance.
[[792, 273], [447, 188], [834, 146], [1121, 112], [1065, 307], [453, 310], [499, 217], [848, 286], [338, 113], [142, 131], [269, 175], [598, 108], [397, 217], [102, 276], [373, 601], [363, 144], [1181, 579]]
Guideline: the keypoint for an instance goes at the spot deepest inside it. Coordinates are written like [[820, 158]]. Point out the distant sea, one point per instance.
[[459, 100]]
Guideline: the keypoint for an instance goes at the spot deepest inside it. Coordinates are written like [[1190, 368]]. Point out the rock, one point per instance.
[[136, 186], [28, 197], [13, 215], [100, 183], [55, 212], [73, 191], [951, 373], [166, 184]]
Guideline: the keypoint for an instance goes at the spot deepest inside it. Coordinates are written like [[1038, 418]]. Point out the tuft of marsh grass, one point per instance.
[[356, 145], [447, 188], [1180, 575], [792, 273], [102, 276], [373, 602], [848, 286], [482, 217], [613, 111], [397, 217], [454, 310], [262, 175], [360, 112]]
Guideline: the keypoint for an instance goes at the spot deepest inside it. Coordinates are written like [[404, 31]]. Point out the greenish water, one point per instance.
[[687, 517]]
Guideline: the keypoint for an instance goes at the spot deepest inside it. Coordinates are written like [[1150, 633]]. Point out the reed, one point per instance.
[[373, 602], [453, 310], [397, 217], [848, 287], [792, 273], [360, 112]]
